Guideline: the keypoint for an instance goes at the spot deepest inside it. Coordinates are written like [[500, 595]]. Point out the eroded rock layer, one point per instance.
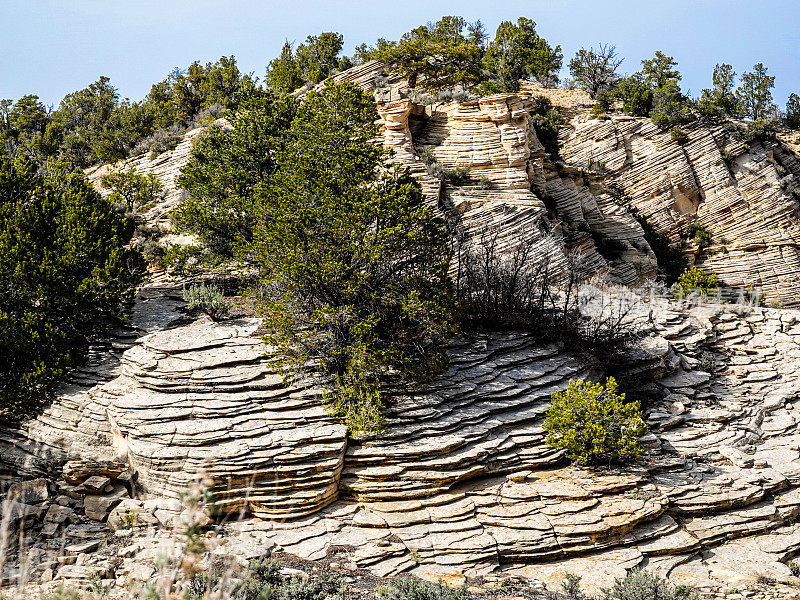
[[746, 197]]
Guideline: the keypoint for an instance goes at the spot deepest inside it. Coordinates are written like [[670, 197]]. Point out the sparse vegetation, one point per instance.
[[457, 175], [208, 298], [411, 588], [678, 135], [697, 233], [695, 281], [637, 585], [594, 424], [524, 290]]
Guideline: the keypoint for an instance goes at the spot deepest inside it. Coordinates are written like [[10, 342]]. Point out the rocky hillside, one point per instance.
[[462, 482]]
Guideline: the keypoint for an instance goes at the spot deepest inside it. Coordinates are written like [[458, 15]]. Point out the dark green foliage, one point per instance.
[[792, 118], [434, 57], [678, 135], [754, 94], [225, 167], [594, 424], [720, 101], [596, 71], [358, 262], [602, 104], [65, 272], [641, 585], [760, 131], [132, 190], [82, 117], [659, 70], [636, 95], [283, 73], [202, 86], [670, 107], [93, 125], [697, 233], [546, 120], [318, 58], [410, 588], [458, 175], [314, 61], [518, 52], [655, 92], [262, 581]]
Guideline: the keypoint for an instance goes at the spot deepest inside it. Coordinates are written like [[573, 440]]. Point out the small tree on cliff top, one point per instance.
[[596, 71], [358, 262]]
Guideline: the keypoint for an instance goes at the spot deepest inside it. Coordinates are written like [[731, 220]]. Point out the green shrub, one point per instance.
[[760, 131], [636, 95], [458, 175], [262, 581], [602, 105], [695, 280], [678, 135], [67, 270], [208, 298], [411, 588], [596, 166], [641, 585], [571, 587], [546, 121], [701, 236], [594, 424], [318, 587], [670, 107], [794, 567], [133, 190], [485, 183]]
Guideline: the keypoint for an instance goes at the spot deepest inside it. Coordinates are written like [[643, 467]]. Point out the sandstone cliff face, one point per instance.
[[746, 197]]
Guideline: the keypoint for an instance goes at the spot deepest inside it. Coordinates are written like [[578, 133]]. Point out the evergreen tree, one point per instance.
[[225, 166], [792, 118], [435, 57], [283, 73], [659, 70], [518, 52], [318, 58], [66, 270], [754, 95], [720, 101], [357, 259]]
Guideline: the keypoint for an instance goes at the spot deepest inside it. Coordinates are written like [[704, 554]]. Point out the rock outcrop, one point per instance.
[[745, 196]]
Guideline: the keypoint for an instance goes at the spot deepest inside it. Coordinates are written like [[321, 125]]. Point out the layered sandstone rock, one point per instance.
[[746, 197]]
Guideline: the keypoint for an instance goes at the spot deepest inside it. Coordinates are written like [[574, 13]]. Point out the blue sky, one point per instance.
[[52, 47]]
